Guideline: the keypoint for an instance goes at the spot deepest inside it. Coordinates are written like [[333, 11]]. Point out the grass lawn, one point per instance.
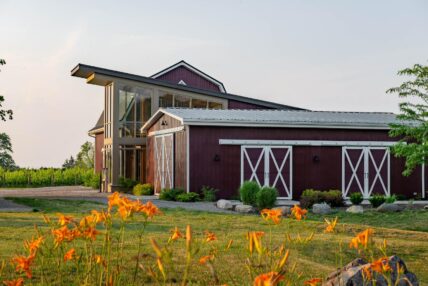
[[317, 258]]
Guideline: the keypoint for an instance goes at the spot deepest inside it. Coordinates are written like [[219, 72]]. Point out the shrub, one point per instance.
[[209, 194], [188, 197], [377, 200], [143, 190], [266, 198], [170, 194], [334, 198], [248, 192], [401, 197], [127, 183], [391, 199], [92, 180], [310, 197], [356, 198]]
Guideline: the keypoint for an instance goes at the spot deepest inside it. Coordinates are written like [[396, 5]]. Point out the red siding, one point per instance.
[[233, 104], [325, 174], [99, 143], [189, 77]]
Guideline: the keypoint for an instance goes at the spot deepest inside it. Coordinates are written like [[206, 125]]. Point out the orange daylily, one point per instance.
[[149, 210], [255, 241], [176, 234], [205, 259], [91, 233], [34, 244], [274, 215], [69, 255], [16, 282], [367, 273], [268, 279], [188, 236], [23, 264], [313, 282], [331, 225], [361, 239], [298, 212], [114, 200], [63, 219], [99, 260], [381, 265], [210, 236], [64, 234], [229, 244]]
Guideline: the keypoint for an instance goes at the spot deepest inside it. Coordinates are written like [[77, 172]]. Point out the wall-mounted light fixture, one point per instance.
[[316, 159], [216, 158], [164, 123]]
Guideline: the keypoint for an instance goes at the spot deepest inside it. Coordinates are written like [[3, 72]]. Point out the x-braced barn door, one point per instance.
[[164, 162], [365, 170], [268, 166]]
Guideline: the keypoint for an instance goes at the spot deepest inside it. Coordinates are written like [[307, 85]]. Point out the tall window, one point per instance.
[[134, 109], [132, 163], [167, 99]]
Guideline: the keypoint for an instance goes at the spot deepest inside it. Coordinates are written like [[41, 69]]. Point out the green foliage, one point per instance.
[[377, 200], [49, 177], [6, 160], [390, 199], [248, 192], [266, 198], [413, 126], [85, 157], [209, 194], [310, 197], [69, 163], [170, 194], [4, 113], [143, 190], [188, 197], [356, 198], [127, 183]]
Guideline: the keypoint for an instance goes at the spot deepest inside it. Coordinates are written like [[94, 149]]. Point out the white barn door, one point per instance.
[[164, 162], [268, 166], [365, 170]]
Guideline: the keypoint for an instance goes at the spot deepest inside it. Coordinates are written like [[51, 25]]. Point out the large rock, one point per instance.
[[355, 209], [352, 274], [426, 207], [244, 209], [224, 204], [385, 207], [285, 210], [321, 208]]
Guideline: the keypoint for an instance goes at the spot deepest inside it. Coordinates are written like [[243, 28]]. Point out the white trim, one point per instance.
[[166, 131], [163, 159], [198, 72], [187, 158], [237, 123], [305, 143], [182, 82], [155, 117]]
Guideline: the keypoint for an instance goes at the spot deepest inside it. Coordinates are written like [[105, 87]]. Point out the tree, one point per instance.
[[85, 158], [4, 113], [6, 160], [69, 163], [412, 128]]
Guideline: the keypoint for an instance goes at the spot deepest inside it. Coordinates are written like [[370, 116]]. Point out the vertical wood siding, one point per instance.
[[99, 144], [324, 174]]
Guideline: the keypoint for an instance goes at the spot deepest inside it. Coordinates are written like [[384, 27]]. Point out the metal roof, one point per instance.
[[99, 126], [278, 118], [84, 71]]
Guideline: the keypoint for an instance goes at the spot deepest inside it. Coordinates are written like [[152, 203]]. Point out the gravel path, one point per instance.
[[88, 194]]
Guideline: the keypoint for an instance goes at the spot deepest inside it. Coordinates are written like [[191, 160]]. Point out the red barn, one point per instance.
[[288, 149]]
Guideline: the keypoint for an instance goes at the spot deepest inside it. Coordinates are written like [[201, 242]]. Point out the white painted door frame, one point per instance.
[[366, 156], [266, 155], [163, 158]]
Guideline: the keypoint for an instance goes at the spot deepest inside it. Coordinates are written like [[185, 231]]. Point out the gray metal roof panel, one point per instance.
[[284, 117]]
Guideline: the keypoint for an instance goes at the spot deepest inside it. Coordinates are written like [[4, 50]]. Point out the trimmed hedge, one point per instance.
[[248, 192], [310, 197], [143, 190], [266, 198]]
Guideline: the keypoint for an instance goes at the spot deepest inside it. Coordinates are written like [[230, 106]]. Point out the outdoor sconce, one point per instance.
[[164, 123], [216, 158], [316, 159]]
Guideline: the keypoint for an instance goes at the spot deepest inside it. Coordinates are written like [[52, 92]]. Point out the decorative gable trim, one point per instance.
[[182, 82], [193, 69]]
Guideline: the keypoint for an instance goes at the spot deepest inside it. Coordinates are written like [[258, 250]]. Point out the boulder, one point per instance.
[[285, 210], [352, 274], [244, 209], [224, 204], [426, 207], [321, 208], [355, 209], [385, 207]]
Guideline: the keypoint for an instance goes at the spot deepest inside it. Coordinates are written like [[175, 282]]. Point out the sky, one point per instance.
[[321, 55]]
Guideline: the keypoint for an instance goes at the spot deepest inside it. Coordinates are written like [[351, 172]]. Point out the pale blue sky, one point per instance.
[[323, 55]]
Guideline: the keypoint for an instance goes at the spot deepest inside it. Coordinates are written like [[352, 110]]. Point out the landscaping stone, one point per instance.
[[352, 274], [244, 209], [385, 207], [426, 207], [321, 208], [224, 204], [285, 210], [355, 209]]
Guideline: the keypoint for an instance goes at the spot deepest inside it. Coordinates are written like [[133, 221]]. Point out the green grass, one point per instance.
[[319, 257], [57, 205]]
